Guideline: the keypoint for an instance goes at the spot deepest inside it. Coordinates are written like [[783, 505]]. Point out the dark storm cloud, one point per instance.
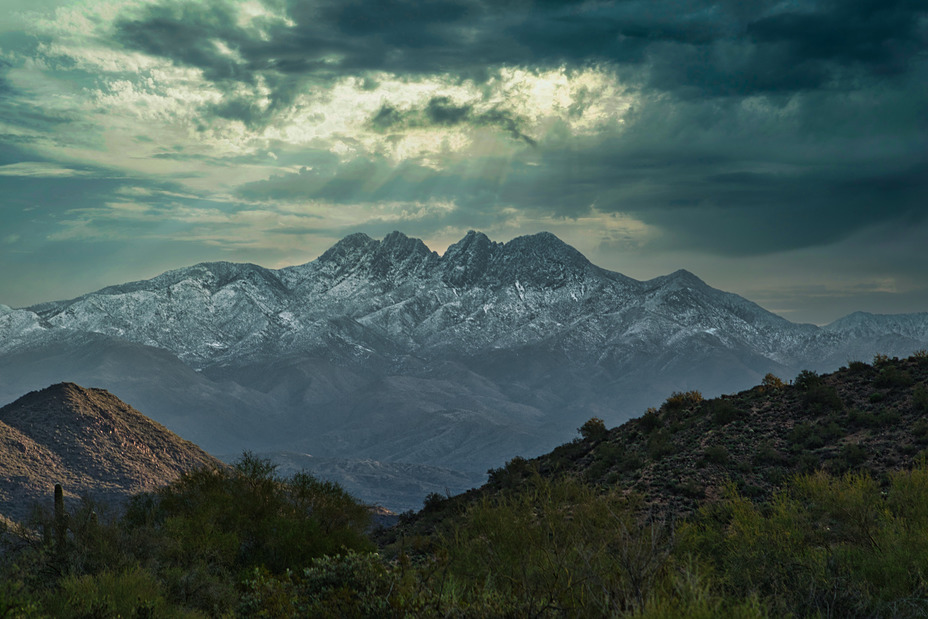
[[881, 35], [443, 112], [24, 114], [703, 202], [695, 46], [834, 144]]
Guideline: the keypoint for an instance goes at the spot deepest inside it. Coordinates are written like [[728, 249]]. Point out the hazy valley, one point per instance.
[[386, 352]]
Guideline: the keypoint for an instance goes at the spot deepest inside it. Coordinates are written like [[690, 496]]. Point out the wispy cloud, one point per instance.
[[40, 169]]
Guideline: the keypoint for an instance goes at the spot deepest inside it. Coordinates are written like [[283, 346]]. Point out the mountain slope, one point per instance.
[[862, 418], [89, 441], [395, 297], [384, 349], [366, 301]]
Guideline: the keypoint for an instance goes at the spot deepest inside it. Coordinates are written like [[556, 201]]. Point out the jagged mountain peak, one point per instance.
[[542, 260], [472, 242], [466, 261], [348, 248], [545, 246], [398, 296], [681, 278], [359, 256], [397, 246]]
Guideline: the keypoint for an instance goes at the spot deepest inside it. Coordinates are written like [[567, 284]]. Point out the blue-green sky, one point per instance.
[[777, 149]]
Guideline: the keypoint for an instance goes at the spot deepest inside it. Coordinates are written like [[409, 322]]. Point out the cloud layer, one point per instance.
[[651, 134]]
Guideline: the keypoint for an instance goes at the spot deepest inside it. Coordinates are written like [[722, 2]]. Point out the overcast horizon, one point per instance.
[[778, 150]]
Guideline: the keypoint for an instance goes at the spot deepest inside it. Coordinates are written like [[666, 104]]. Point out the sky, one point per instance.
[[776, 149]]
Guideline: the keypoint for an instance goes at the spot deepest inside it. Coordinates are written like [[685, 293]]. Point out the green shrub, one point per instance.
[[131, 593], [766, 454], [344, 585], [650, 421], [433, 502], [806, 435], [880, 360], [716, 454], [807, 463], [631, 461], [849, 458], [510, 475], [724, 411], [806, 379], [557, 548], [825, 546], [891, 376], [771, 382], [660, 445], [16, 601], [920, 430], [750, 491], [610, 453], [879, 419], [920, 398], [857, 367], [681, 400], [593, 429], [822, 398], [690, 488], [225, 516]]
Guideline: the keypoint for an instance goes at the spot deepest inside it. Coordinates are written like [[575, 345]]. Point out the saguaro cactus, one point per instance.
[[61, 520]]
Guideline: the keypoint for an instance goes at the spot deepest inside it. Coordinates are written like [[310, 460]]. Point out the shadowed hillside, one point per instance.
[[90, 442], [863, 418]]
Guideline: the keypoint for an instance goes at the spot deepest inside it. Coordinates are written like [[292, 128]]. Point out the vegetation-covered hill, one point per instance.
[[870, 418], [801, 499], [862, 418]]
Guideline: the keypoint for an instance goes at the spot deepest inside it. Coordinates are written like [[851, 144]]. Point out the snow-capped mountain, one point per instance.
[[384, 349], [396, 297]]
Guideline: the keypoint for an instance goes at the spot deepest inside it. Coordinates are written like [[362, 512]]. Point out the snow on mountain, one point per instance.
[[17, 326], [365, 298], [864, 324], [395, 296], [383, 348]]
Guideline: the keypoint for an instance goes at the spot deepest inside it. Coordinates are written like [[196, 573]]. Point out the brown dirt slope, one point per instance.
[[89, 441]]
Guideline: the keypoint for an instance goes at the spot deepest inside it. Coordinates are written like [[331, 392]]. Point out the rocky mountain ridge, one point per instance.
[[385, 350], [395, 297]]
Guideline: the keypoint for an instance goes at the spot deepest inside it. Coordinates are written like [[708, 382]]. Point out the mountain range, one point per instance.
[[385, 351]]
